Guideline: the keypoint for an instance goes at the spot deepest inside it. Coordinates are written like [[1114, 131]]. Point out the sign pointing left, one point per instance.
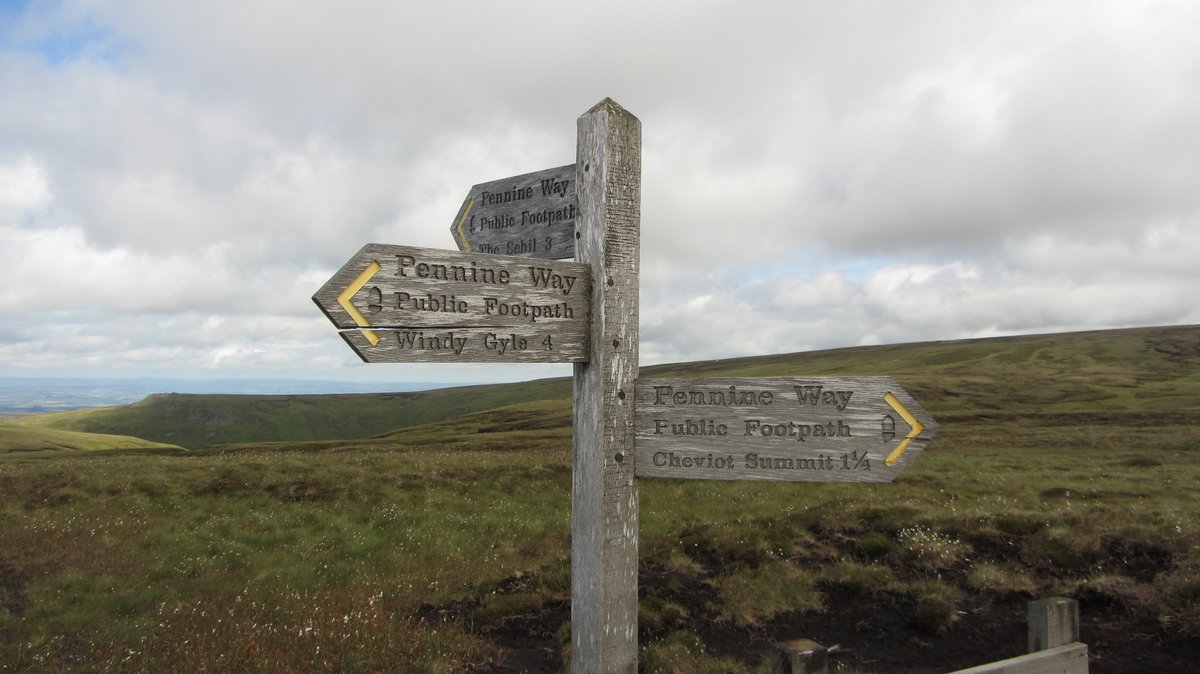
[[406, 304], [530, 215]]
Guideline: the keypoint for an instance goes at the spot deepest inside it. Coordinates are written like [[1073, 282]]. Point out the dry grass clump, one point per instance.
[[753, 596]]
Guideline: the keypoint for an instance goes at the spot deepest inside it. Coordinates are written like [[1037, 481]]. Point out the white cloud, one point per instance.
[[24, 190], [176, 179]]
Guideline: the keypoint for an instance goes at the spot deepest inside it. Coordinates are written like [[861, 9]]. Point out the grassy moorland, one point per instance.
[[28, 440], [1067, 464]]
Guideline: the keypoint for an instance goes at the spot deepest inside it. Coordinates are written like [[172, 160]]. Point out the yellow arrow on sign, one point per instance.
[[344, 300], [908, 417], [462, 236]]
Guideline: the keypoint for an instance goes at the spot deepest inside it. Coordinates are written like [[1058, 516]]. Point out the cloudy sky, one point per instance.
[[177, 178]]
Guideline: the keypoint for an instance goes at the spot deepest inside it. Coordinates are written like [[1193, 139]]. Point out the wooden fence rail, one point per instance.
[[1069, 659], [1054, 646]]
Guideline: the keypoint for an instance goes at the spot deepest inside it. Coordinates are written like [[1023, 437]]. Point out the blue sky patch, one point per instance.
[[58, 43]]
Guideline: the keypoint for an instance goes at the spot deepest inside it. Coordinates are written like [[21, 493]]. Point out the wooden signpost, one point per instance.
[[825, 429], [530, 215], [493, 303]]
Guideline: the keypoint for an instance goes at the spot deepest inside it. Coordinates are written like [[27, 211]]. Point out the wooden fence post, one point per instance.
[[604, 495], [1054, 646], [1053, 622]]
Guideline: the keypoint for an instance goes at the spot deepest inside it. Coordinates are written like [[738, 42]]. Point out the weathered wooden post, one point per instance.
[[604, 514], [1053, 622]]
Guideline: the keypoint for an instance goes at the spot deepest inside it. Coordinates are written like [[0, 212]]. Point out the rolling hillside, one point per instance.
[[31, 440], [1130, 373], [196, 421]]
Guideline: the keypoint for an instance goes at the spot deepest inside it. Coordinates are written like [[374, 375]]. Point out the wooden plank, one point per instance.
[[512, 344], [407, 304], [816, 429], [1068, 659], [530, 215], [604, 514], [429, 288]]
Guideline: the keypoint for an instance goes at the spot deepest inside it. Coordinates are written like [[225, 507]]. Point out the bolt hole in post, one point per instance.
[[621, 394], [616, 343]]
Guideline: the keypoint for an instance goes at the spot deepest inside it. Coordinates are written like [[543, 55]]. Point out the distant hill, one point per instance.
[[1130, 370], [201, 420], [28, 440], [44, 395], [1135, 373]]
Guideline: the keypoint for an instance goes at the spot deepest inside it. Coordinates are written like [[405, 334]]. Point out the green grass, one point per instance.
[[27, 440], [752, 596], [132, 563], [416, 550]]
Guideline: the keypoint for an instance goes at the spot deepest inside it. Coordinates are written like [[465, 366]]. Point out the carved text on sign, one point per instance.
[[530, 215], [793, 429], [401, 303]]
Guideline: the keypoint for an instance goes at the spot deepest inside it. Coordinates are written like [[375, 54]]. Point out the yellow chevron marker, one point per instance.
[[462, 236], [529, 215], [908, 417], [344, 300]]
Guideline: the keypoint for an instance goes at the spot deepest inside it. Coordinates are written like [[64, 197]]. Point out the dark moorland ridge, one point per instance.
[[1066, 465], [1132, 370], [20, 396]]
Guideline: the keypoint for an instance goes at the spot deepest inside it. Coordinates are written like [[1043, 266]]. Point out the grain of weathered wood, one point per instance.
[[1068, 659], [604, 516], [513, 344], [530, 215], [1052, 622], [408, 304], [426, 287], [794, 429]]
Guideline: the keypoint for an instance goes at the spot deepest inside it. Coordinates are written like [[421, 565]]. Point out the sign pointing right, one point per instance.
[[814, 429]]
